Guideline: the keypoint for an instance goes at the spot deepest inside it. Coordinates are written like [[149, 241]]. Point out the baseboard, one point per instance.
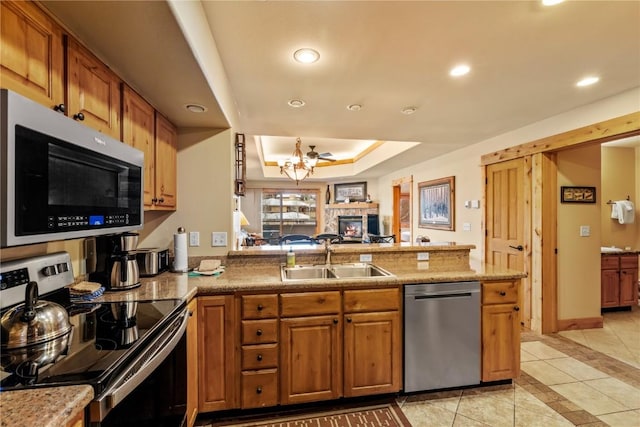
[[582, 323]]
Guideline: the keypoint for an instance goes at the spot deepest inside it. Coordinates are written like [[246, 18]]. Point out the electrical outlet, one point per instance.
[[219, 238], [466, 226], [194, 238], [423, 256], [365, 257]]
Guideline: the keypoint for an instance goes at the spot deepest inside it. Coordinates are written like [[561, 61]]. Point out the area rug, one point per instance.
[[380, 415]]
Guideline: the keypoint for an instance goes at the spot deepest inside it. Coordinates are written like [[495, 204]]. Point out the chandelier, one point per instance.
[[298, 166]]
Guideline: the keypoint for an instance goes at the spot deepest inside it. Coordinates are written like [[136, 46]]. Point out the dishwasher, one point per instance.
[[441, 335]]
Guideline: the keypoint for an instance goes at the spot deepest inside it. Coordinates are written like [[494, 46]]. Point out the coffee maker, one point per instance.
[[116, 267]]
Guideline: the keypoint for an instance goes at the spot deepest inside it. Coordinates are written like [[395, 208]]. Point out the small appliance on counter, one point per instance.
[[152, 261], [115, 261]]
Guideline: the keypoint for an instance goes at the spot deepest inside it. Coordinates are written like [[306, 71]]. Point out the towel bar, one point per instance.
[[611, 203]]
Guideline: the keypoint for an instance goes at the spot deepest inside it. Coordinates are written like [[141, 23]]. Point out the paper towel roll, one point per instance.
[[180, 251]]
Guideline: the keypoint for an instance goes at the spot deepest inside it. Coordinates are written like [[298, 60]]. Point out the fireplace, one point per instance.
[[350, 226]]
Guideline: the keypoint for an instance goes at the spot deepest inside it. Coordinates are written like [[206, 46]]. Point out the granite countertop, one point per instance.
[[43, 407]]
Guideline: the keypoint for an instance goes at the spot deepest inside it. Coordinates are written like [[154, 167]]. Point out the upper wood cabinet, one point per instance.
[[93, 91], [138, 123], [32, 53], [166, 164]]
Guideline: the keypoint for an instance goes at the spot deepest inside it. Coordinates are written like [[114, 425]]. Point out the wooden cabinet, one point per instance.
[[93, 91], [500, 330], [32, 53], [217, 332], [372, 342], [77, 420], [259, 351], [311, 347], [619, 280], [165, 174], [192, 363]]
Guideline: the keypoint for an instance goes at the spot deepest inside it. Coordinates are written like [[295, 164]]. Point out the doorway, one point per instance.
[[401, 223]]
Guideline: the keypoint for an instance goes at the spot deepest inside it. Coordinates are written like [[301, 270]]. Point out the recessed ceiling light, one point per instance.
[[408, 110], [587, 81], [196, 108], [306, 55], [296, 103], [354, 107], [459, 70], [551, 2]]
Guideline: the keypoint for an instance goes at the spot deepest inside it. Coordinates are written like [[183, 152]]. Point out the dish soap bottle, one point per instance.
[[291, 258]]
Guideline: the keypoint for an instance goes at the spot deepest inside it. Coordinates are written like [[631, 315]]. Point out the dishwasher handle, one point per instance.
[[443, 295]]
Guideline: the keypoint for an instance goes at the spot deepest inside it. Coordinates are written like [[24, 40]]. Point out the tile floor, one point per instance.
[[575, 378]]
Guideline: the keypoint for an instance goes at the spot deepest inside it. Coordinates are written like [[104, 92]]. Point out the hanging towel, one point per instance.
[[625, 211], [614, 210]]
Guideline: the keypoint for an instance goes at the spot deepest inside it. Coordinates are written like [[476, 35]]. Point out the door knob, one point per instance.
[[519, 247]]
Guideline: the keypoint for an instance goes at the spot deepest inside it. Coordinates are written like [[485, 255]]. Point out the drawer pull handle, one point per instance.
[[259, 357], [502, 293], [260, 307], [335, 321], [78, 116], [258, 390], [259, 332], [516, 308]]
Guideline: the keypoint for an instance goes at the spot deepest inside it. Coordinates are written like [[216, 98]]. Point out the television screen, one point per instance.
[[350, 226]]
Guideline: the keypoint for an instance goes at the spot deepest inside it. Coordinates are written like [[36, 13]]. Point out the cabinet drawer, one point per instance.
[[609, 262], [259, 388], [259, 331], [259, 356], [259, 306], [629, 261], [310, 303], [371, 300], [499, 292]]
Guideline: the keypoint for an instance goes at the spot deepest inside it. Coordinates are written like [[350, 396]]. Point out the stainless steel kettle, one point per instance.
[[125, 273]]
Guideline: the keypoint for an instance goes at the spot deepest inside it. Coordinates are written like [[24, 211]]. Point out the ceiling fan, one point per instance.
[[315, 155]]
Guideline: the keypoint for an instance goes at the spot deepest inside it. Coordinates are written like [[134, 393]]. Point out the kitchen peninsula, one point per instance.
[[249, 322]]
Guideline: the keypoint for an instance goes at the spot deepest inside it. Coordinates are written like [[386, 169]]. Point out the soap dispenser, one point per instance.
[[291, 258]]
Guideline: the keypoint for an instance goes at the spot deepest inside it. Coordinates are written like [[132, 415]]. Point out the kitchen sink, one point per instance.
[[334, 271]]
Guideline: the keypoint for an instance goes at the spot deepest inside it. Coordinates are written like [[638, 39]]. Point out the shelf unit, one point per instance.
[[289, 212]]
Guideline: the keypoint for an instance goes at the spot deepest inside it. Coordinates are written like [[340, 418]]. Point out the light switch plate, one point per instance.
[[365, 257], [423, 256], [585, 231], [466, 226], [194, 238], [219, 238]]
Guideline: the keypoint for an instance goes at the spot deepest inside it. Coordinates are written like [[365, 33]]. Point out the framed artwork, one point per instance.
[[437, 207], [354, 192], [578, 194]]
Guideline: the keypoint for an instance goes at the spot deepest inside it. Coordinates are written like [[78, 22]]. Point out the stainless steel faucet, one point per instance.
[[327, 250]]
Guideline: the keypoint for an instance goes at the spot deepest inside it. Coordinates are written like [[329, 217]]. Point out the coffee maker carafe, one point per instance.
[[116, 265]]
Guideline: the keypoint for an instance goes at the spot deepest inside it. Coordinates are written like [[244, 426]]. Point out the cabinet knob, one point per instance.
[[259, 357], [60, 108], [258, 390], [335, 321], [349, 319], [516, 308], [161, 200], [154, 200], [259, 332], [260, 307], [78, 116], [502, 293]]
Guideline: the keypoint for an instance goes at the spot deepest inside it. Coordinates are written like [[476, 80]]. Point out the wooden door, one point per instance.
[[216, 353], [500, 342], [372, 353], [138, 131], [192, 363], [32, 55], [507, 217], [93, 91], [165, 164], [310, 359]]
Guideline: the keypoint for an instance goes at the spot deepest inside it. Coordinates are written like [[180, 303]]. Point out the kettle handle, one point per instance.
[[30, 300], [123, 269]]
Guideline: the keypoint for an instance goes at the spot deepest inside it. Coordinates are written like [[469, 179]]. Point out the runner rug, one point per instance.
[[381, 415]]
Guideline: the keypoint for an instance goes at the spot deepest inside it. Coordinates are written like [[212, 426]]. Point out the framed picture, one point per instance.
[[578, 194], [437, 204], [354, 192]]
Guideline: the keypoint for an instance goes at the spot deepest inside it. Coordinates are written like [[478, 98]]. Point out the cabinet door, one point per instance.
[[93, 91], [372, 356], [32, 55], [192, 363], [165, 164], [610, 288], [217, 333], [310, 359], [137, 131], [500, 342], [628, 286]]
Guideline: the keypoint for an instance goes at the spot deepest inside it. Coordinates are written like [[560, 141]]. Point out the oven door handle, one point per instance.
[[146, 364]]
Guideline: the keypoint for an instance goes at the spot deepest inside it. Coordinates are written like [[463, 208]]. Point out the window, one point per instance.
[[289, 212]]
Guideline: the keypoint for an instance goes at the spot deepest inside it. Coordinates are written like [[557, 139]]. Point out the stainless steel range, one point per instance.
[[133, 353]]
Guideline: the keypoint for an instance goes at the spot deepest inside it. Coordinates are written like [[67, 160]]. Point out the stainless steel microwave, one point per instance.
[[61, 179]]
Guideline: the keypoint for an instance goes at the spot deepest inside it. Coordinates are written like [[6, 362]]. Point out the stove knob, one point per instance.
[[50, 270]]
